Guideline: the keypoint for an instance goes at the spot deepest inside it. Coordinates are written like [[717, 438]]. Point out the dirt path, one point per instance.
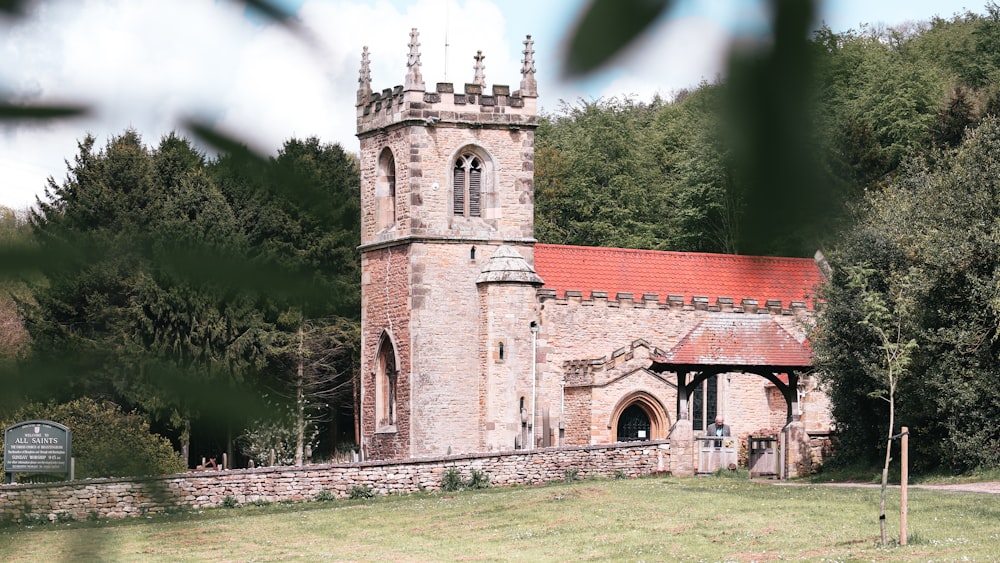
[[992, 487], [988, 487]]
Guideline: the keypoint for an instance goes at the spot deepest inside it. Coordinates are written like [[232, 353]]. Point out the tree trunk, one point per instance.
[[185, 439], [885, 470], [300, 415]]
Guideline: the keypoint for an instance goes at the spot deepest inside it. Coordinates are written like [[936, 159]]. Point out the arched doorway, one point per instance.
[[633, 424], [638, 416]]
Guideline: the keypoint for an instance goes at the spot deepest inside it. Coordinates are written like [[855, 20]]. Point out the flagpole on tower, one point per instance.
[[447, 5]]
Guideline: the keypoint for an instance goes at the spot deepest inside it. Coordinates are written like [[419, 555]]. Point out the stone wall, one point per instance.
[[119, 498], [385, 310]]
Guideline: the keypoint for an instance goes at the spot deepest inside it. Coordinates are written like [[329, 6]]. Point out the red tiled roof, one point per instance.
[[689, 274], [738, 339]]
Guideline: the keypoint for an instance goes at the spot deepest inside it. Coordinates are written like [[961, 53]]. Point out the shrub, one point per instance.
[[478, 480], [107, 442], [325, 496], [452, 480], [620, 474], [229, 501], [570, 475], [361, 492]]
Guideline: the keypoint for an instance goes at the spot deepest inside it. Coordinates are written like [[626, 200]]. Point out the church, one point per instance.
[[477, 338]]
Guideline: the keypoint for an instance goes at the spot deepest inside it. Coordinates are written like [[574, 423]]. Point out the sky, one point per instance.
[[150, 65]]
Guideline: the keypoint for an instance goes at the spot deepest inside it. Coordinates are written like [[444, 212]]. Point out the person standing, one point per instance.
[[718, 428]]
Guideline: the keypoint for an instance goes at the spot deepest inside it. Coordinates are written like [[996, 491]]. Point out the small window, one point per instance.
[[385, 191], [386, 374], [472, 253], [467, 186], [500, 351]]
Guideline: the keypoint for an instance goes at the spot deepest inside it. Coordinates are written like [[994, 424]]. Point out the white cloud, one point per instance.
[[679, 54], [148, 65]]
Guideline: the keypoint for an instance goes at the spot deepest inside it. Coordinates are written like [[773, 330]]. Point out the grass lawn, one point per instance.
[[653, 519]]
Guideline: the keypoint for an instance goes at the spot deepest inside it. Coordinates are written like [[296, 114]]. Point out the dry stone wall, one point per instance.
[[119, 498]]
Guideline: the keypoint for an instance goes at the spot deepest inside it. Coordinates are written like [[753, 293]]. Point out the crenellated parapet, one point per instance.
[[472, 105], [652, 301]]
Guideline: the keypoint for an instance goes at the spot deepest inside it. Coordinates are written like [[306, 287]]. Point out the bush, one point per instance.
[[361, 492], [106, 441], [452, 480], [478, 480], [570, 475]]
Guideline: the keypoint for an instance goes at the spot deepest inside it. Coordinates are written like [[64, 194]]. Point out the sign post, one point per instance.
[[37, 446]]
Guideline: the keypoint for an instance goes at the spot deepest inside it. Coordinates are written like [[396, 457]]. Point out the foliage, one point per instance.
[[361, 492], [15, 237], [478, 480], [107, 442], [176, 284], [272, 441], [452, 480], [932, 231]]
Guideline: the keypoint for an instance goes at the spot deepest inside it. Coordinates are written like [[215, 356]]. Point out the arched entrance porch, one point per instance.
[[736, 343]]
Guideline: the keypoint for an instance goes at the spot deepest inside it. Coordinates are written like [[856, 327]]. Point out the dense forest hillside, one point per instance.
[[672, 175]]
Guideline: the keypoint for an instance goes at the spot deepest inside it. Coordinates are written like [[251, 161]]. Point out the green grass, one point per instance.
[[658, 519]]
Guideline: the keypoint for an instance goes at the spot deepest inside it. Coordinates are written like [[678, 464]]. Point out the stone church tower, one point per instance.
[[448, 290]]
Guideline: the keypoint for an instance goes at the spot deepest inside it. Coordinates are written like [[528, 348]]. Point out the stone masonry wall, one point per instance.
[[119, 498], [385, 299], [447, 339], [574, 329]]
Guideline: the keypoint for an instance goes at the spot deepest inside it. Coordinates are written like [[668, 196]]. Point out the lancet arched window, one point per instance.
[[467, 185], [385, 190], [386, 374]]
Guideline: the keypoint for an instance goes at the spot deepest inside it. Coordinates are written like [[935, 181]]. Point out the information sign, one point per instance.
[[37, 446]]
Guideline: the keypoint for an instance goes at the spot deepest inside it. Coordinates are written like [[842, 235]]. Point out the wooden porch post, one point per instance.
[[682, 396], [792, 398]]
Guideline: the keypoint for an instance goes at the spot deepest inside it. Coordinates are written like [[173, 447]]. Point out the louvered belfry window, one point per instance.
[[467, 186]]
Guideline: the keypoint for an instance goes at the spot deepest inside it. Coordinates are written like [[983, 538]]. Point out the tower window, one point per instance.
[[386, 374], [467, 185], [385, 191]]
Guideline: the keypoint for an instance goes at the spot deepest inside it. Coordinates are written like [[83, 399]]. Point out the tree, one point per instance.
[[14, 237], [931, 232], [300, 214], [952, 120], [137, 310], [889, 317], [315, 365]]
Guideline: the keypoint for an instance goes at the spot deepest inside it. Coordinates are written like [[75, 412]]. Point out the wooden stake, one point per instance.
[[904, 477]]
